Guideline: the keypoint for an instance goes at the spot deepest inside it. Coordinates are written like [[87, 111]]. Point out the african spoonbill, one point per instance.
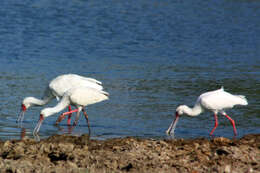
[[215, 101], [79, 97], [56, 88]]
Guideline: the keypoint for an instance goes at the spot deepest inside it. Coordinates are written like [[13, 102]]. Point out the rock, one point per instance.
[[227, 168], [61, 153], [221, 140]]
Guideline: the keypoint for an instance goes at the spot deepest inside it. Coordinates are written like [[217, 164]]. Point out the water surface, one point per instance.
[[150, 55]]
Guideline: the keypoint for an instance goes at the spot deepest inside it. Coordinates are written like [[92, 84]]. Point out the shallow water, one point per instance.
[[150, 55]]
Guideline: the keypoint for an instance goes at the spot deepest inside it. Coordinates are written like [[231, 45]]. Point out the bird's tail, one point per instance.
[[105, 93], [94, 80], [243, 100]]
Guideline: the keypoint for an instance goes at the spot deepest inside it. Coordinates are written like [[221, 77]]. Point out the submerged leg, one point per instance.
[[86, 116], [216, 124], [232, 122]]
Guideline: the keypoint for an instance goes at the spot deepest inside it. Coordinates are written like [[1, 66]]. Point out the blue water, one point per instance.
[[151, 56]]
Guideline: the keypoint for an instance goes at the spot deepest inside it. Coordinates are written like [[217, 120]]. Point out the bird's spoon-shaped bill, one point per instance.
[[173, 124], [37, 127], [21, 114], [20, 117]]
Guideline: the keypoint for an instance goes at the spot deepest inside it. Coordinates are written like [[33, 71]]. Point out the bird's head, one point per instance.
[[46, 112], [182, 109], [27, 102], [179, 111]]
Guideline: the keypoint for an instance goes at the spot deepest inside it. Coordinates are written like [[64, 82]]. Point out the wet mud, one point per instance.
[[63, 153]]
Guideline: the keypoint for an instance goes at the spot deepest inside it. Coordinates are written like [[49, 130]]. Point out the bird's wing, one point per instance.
[[85, 96], [75, 76], [63, 83], [220, 100], [93, 80]]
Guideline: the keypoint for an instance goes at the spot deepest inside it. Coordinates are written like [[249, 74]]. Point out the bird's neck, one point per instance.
[[40, 102], [195, 111], [60, 106]]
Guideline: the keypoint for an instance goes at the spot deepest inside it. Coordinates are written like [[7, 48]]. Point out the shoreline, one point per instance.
[[64, 153]]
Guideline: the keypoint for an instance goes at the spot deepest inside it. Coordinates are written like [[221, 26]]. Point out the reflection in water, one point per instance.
[[23, 133], [69, 128], [170, 136], [36, 137], [66, 129]]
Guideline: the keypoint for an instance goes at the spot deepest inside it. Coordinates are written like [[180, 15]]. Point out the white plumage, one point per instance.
[[215, 101], [61, 84], [56, 89], [78, 97], [220, 99]]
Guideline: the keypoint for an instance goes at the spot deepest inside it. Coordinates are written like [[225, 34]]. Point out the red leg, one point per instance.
[[69, 116], [62, 116], [233, 123], [216, 124]]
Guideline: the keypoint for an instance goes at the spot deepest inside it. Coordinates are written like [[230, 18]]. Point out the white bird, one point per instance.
[[56, 89], [78, 97], [215, 101]]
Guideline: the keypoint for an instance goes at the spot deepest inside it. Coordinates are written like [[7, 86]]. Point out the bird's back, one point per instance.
[[84, 96], [62, 83], [220, 99]]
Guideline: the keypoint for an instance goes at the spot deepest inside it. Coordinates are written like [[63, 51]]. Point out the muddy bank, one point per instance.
[[63, 153]]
